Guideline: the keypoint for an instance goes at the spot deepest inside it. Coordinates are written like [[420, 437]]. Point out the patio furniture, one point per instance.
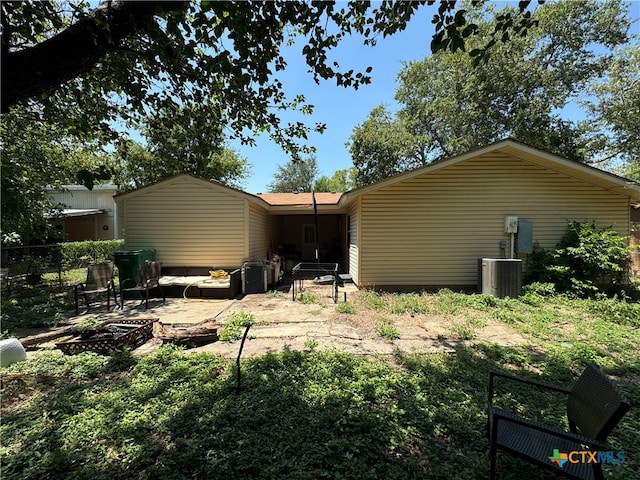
[[148, 280], [310, 270], [16, 271], [99, 281], [594, 407], [196, 281]]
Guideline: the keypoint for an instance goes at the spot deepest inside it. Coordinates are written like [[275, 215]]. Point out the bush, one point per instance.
[[542, 289], [80, 254], [587, 261]]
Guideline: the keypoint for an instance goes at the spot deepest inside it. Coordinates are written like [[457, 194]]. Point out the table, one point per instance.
[[310, 270]]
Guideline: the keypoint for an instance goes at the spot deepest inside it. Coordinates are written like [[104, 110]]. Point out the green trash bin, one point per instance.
[[129, 263]]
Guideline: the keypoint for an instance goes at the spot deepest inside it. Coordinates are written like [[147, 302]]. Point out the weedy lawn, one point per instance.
[[315, 414]]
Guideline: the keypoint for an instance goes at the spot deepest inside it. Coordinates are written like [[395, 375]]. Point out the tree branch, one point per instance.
[[39, 69]]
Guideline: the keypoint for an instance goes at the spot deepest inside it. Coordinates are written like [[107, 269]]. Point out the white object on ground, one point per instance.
[[11, 351]]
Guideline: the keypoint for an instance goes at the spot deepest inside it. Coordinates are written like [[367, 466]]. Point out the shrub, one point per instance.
[[79, 254], [587, 260], [542, 289]]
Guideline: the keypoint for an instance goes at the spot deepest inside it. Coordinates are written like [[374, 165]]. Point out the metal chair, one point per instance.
[[17, 270], [148, 279], [99, 280], [594, 408]]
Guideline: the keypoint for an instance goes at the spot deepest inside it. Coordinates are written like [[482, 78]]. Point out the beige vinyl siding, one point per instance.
[[188, 223], [354, 264], [429, 230], [261, 232]]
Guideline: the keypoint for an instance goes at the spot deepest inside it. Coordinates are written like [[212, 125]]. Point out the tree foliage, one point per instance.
[[123, 59], [33, 157], [79, 71], [450, 105], [187, 139], [383, 146], [615, 114], [588, 260], [341, 181], [295, 176]]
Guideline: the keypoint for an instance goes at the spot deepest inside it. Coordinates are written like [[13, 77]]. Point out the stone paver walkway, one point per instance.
[[284, 324]]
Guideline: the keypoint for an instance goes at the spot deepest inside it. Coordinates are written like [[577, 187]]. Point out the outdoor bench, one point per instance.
[[177, 281]]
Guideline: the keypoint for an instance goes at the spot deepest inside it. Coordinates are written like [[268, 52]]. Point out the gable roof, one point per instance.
[[211, 184], [291, 202], [517, 149]]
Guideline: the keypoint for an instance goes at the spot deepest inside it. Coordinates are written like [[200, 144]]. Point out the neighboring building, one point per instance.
[[85, 214], [421, 229]]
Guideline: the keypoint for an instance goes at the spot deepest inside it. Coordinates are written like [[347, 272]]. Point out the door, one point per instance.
[[308, 242]]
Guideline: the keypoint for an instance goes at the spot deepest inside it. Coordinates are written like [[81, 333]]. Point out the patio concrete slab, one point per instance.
[[174, 310], [281, 324]]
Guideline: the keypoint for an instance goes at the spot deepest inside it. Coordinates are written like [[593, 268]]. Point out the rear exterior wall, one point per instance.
[[188, 223], [353, 241], [262, 232], [428, 231]]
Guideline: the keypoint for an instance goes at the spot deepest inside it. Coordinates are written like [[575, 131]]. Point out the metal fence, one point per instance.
[[46, 258]]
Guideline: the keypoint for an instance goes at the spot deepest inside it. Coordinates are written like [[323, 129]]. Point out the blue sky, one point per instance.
[[341, 109]]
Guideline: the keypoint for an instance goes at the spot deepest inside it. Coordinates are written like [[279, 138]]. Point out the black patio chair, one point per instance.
[[18, 270], [148, 279], [99, 281], [594, 408]]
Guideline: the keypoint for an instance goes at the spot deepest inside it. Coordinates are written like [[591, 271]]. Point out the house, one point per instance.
[[85, 214], [427, 227], [421, 229], [634, 240]]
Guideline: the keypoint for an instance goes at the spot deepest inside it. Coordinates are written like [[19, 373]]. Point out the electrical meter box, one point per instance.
[[511, 224]]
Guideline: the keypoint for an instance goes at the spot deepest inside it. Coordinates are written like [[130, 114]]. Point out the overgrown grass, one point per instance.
[[307, 297], [302, 415], [386, 329], [346, 307], [233, 327], [45, 305], [318, 414], [30, 307]]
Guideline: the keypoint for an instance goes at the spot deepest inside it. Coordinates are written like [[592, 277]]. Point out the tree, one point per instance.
[[34, 157], [340, 181], [382, 147], [615, 114], [180, 139], [79, 69], [128, 58], [295, 176], [450, 105], [137, 166]]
